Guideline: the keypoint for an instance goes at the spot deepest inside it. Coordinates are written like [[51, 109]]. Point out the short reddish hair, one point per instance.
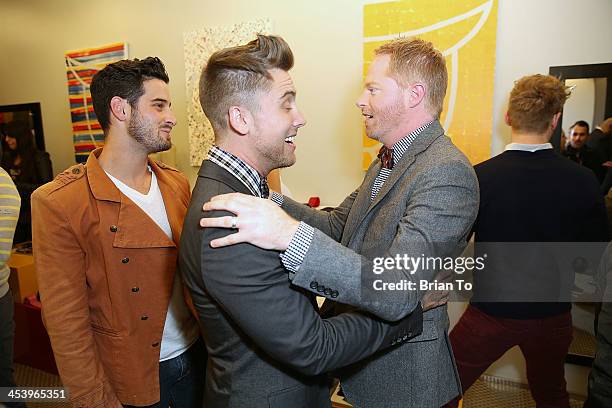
[[534, 100]]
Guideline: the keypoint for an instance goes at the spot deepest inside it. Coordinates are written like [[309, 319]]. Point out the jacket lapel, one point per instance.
[[420, 144], [176, 207], [135, 228], [361, 203]]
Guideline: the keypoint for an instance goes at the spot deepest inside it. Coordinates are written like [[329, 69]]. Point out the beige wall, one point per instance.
[[326, 38]]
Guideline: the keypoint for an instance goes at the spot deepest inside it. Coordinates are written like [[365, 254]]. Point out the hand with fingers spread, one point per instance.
[[259, 221]]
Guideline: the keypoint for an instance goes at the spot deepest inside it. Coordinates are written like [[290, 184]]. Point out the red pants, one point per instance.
[[479, 339]]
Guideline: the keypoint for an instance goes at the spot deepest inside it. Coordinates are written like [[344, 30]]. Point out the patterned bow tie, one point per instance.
[[386, 157], [263, 187]]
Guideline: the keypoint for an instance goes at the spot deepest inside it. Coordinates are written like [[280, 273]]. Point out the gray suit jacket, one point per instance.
[[266, 343], [425, 208]]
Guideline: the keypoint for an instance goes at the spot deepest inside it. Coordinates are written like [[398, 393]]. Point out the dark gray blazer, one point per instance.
[[426, 207], [266, 343]]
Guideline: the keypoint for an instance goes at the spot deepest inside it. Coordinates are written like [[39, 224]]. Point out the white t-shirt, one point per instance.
[[180, 329]]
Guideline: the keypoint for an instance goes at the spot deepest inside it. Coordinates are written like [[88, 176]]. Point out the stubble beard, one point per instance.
[[147, 134], [385, 120], [277, 158]]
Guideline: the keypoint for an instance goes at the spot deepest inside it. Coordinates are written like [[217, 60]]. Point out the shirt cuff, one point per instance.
[[277, 198], [293, 257]]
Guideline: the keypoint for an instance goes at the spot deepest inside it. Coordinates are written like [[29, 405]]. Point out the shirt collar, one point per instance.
[[401, 146], [238, 168], [528, 147]]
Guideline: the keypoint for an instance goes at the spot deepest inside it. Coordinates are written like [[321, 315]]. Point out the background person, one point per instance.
[[579, 152], [528, 195], [9, 213], [29, 168]]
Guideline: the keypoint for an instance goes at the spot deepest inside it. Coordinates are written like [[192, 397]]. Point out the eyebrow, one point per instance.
[[288, 93], [161, 100]]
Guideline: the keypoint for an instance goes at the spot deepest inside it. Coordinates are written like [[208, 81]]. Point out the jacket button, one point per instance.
[[155, 344], [114, 228], [327, 291], [334, 293], [125, 260], [314, 285], [144, 317], [135, 289]]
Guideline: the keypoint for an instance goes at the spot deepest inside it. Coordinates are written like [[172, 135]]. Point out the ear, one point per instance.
[[507, 119], [416, 94], [239, 119], [119, 108], [555, 120]]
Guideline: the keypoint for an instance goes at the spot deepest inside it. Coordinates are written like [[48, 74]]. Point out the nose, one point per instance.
[[171, 118], [299, 120], [361, 101]]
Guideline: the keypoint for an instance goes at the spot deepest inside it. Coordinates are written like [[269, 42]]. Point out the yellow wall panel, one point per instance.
[[465, 32]]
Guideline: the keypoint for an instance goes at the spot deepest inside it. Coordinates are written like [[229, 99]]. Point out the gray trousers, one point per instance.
[[600, 378]]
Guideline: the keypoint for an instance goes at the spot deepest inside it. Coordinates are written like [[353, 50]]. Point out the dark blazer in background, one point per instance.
[[601, 143], [267, 345]]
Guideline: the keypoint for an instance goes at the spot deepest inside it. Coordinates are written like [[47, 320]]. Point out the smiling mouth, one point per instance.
[[290, 139], [367, 116]]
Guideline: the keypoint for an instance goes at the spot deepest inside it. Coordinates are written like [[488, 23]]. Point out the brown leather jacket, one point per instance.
[[105, 272]]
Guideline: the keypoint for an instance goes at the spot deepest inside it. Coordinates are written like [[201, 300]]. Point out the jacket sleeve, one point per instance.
[[252, 287], [60, 267], [437, 219], [330, 223]]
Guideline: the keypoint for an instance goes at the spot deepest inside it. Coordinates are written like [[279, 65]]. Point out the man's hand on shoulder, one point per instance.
[[259, 221]]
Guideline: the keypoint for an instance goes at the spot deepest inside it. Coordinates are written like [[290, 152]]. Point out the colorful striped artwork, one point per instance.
[[81, 66]]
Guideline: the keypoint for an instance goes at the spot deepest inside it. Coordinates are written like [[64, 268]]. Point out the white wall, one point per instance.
[[581, 105], [534, 35]]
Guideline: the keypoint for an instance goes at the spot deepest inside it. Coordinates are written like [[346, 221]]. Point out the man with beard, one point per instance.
[[105, 236], [579, 152], [267, 344], [419, 201]]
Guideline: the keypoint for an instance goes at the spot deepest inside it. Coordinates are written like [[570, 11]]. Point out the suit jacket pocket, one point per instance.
[[430, 332], [297, 396]]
